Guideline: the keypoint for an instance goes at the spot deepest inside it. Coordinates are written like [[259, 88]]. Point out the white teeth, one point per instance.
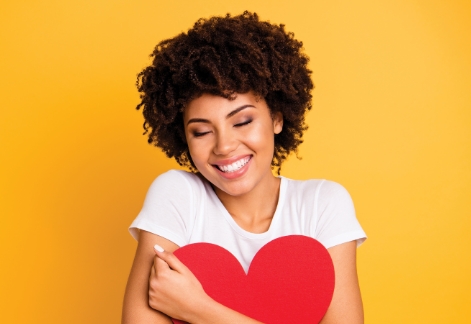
[[234, 166]]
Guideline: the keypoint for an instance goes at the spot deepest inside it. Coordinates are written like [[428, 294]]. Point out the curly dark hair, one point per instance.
[[224, 56]]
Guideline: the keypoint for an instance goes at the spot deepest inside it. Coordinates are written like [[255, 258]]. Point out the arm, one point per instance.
[[346, 305], [174, 290], [136, 309]]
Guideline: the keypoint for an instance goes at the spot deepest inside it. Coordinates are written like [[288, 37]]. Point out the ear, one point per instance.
[[277, 122]]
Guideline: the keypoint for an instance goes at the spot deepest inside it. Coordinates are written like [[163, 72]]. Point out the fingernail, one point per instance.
[[158, 248]]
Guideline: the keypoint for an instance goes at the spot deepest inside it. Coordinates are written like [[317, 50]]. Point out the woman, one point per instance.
[[227, 99]]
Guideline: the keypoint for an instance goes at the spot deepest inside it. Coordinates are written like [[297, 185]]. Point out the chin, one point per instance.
[[234, 189]]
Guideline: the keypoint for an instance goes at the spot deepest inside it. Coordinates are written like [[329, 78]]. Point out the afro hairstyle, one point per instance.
[[224, 56]]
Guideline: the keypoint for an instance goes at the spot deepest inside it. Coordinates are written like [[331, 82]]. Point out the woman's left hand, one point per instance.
[[173, 289]]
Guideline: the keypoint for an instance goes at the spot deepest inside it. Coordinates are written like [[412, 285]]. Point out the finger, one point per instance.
[[160, 266], [152, 270], [152, 277], [170, 259]]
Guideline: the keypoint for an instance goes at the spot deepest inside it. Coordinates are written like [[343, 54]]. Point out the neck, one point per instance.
[[254, 210]]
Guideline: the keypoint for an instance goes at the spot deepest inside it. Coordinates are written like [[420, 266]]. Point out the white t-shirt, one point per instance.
[[183, 208]]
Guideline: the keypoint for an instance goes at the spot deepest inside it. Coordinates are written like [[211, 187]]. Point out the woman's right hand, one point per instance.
[[173, 289], [136, 308]]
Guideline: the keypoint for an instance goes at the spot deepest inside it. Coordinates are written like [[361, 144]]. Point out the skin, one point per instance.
[[218, 132], [227, 130]]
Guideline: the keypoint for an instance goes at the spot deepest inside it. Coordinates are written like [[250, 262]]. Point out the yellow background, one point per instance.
[[391, 122]]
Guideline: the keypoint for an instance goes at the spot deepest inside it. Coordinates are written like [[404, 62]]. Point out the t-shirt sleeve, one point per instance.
[[336, 221], [167, 209]]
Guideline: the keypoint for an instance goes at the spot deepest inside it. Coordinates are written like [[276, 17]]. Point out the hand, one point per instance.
[[173, 289]]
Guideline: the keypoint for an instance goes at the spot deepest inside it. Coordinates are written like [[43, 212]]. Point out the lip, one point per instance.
[[234, 174], [231, 160]]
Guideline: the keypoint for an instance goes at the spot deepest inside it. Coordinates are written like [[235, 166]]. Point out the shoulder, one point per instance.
[[332, 191], [177, 176], [334, 194], [176, 180], [176, 187], [319, 188], [169, 207], [319, 195], [336, 217]]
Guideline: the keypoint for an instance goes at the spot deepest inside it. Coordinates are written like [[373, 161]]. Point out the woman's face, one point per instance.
[[231, 142]]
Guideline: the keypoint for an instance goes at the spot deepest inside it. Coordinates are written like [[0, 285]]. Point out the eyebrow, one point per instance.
[[229, 115]]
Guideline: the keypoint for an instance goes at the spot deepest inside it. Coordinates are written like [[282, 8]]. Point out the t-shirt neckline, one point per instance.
[[225, 213]]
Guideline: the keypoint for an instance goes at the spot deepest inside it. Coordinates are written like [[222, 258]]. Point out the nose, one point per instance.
[[225, 143]]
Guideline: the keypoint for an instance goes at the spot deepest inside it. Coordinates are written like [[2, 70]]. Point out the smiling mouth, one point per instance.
[[237, 165]]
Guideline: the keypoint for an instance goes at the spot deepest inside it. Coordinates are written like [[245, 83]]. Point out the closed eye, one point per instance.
[[199, 134], [243, 123]]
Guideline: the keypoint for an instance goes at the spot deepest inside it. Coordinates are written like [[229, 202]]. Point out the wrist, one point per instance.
[[212, 312], [204, 311]]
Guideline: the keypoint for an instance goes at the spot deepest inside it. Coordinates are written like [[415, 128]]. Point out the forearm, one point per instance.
[[144, 316], [136, 310], [215, 313]]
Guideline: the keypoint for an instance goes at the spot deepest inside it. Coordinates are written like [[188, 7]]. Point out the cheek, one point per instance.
[[198, 152], [194, 153], [262, 138]]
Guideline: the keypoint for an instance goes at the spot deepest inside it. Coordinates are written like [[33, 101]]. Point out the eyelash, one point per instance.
[[248, 121], [197, 134]]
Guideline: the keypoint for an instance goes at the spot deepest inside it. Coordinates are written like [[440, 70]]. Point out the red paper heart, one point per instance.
[[290, 279]]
